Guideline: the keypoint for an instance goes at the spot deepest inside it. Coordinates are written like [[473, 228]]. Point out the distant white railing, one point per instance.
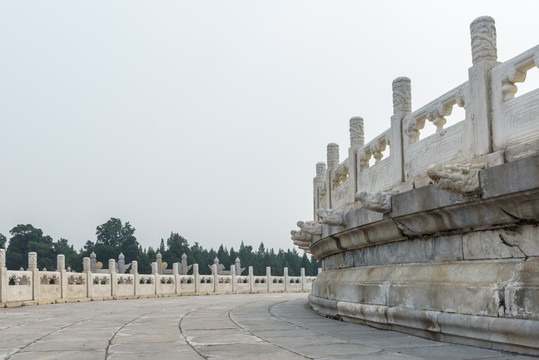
[[37, 286]]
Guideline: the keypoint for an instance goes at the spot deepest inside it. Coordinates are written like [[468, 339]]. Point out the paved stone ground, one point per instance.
[[262, 326]]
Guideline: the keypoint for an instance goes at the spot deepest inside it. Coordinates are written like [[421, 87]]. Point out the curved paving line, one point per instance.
[[185, 337], [47, 334], [120, 328], [264, 340]]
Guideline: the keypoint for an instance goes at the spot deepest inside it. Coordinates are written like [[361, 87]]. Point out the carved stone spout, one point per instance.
[[300, 236], [332, 217], [310, 227], [459, 179], [379, 202]]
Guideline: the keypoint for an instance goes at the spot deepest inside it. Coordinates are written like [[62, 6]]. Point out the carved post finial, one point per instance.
[[32, 260], [134, 267], [86, 264], [402, 95], [333, 156], [112, 266], [60, 262], [357, 138], [320, 171], [483, 33]]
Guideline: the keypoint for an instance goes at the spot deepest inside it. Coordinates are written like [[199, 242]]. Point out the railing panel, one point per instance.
[[260, 283], [126, 284], [377, 177], [342, 187], [277, 283], [50, 288], [242, 284], [186, 284], [206, 283], [76, 285], [101, 286], [294, 283], [444, 147], [20, 285], [224, 283], [146, 285], [514, 120]]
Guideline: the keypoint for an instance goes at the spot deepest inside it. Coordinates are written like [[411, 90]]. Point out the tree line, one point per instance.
[[115, 237]]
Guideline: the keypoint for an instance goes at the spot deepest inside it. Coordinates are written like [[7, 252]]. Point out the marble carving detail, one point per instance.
[[310, 227], [460, 179], [378, 202], [483, 32], [332, 217]]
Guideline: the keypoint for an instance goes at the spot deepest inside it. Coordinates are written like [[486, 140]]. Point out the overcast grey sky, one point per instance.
[[207, 118]]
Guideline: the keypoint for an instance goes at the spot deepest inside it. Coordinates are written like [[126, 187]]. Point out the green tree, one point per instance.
[[72, 259], [177, 245], [25, 239], [3, 240], [114, 238]]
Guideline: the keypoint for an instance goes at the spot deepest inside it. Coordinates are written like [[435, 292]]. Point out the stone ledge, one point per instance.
[[506, 334], [510, 196]]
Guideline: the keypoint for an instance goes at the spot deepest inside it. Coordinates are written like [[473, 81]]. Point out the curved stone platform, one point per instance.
[[249, 326]]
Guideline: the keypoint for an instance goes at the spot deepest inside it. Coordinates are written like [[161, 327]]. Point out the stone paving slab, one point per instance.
[[248, 326]]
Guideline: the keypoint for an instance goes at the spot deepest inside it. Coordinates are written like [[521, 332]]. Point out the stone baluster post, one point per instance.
[[93, 262], [4, 282], [36, 283], [402, 106], [319, 271], [196, 276], [159, 261], [121, 263], [319, 187], [484, 58], [302, 279], [251, 279], [136, 279], [113, 278], [61, 268], [233, 277], [269, 279], [333, 162], [176, 273], [215, 277], [237, 266], [87, 270], [357, 140], [286, 280], [183, 267], [157, 282]]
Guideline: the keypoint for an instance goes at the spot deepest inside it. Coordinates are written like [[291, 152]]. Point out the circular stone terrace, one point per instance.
[[249, 326]]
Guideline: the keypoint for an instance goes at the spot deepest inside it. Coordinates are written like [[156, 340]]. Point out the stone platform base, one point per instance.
[[514, 335], [487, 303]]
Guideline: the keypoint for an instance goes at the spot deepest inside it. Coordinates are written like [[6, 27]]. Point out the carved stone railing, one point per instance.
[[446, 145], [496, 127], [375, 178], [514, 120], [34, 286]]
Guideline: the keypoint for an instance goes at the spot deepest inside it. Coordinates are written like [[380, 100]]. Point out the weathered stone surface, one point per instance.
[[455, 250], [516, 242]]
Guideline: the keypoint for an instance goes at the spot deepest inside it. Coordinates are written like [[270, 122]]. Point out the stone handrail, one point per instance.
[[496, 125], [37, 287]]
